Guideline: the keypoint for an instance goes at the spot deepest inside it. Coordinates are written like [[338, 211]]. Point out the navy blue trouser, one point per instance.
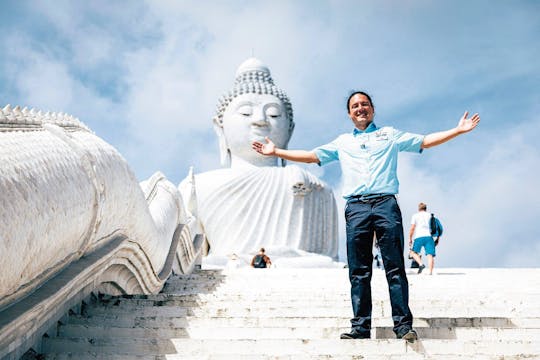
[[381, 216]]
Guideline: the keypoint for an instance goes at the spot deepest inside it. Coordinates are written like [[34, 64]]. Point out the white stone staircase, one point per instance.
[[299, 313]]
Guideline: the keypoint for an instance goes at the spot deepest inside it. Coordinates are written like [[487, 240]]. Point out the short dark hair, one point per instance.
[[355, 92], [262, 250]]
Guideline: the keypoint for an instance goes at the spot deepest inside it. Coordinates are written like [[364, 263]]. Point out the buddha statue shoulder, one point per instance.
[[256, 201]]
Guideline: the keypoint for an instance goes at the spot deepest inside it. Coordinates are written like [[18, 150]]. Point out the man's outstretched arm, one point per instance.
[[464, 126], [270, 149]]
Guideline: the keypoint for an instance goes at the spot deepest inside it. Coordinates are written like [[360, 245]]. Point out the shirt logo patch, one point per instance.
[[381, 136]]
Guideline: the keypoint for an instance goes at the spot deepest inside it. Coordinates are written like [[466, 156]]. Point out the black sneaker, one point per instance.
[[420, 268], [354, 334], [410, 336]]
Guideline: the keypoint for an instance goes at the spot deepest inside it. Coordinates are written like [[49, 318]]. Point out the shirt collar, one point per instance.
[[371, 127]]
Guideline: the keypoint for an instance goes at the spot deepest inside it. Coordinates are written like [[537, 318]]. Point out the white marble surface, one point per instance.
[[65, 193], [254, 202], [270, 207]]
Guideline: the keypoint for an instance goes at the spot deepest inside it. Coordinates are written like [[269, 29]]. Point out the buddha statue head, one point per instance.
[[253, 109]]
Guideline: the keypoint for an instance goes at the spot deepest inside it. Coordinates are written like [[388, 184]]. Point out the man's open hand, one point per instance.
[[266, 149], [466, 125]]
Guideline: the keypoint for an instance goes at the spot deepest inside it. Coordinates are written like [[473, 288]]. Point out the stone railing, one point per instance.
[[75, 221]]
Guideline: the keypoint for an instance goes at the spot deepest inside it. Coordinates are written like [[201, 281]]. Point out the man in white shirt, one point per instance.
[[421, 233]]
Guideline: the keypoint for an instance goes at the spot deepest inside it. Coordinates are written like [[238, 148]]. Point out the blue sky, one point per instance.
[[146, 76]]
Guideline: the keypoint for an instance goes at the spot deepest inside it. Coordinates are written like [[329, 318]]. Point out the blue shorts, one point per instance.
[[427, 242]]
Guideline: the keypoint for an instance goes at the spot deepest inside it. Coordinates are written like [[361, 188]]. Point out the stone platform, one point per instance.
[[299, 313]]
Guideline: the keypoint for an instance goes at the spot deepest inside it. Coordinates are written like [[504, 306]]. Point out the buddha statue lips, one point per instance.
[[253, 202], [259, 131]]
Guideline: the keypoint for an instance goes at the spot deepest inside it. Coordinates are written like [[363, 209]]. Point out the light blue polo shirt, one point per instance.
[[368, 158]]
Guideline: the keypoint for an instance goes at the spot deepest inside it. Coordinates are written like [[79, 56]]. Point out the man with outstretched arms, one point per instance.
[[368, 158]]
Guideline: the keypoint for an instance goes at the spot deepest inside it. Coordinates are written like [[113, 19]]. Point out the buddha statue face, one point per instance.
[[252, 117], [254, 109]]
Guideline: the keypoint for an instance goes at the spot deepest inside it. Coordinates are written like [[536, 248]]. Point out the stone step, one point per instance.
[[222, 322], [423, 307], [451, 278], [323, 285], [103, 332], [232, 311], [358, 347], [292, 347], [197, 301], [294, 321], [321, 308], [378, 292], [462, 333], [335, 280], [407, 356], [274, 301], [284, 309], [404, 356], [341, 276]]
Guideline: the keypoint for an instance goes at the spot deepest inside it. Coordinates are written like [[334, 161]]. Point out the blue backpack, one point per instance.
[[435, 226]]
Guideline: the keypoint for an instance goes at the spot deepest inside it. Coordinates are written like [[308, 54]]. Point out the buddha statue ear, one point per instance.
[[225, 153], [291, 129]]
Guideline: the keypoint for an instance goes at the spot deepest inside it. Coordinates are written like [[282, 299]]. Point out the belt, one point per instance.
[[369, 197]]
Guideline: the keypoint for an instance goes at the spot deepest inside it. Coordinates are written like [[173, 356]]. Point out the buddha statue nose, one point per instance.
[[259, 118]]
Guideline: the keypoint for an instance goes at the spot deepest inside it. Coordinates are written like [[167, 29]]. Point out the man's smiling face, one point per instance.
[[361, 111]]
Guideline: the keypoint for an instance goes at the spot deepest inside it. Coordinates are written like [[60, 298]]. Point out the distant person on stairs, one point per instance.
[[420, 237], [261, 261], [368, 157]]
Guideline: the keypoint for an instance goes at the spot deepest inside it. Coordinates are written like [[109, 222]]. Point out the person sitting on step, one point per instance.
[[261, 260]]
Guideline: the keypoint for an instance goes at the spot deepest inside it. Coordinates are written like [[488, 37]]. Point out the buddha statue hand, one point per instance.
[[300, 189]]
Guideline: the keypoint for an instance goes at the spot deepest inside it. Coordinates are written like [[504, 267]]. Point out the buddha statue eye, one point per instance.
[[273, 112], [245, 110]]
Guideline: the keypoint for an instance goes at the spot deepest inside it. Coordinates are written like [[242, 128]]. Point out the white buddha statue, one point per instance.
[[253, 202]]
